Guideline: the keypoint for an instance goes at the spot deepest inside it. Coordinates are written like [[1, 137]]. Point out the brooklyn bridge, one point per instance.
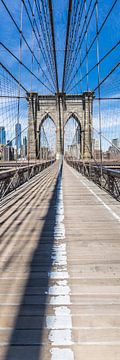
[[60, 180]]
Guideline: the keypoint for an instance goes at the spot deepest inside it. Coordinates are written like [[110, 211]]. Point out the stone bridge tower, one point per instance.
[[60, 108]]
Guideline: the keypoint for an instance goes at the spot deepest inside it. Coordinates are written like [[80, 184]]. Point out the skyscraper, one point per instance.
[[25, 145], [2, 135], [18, 136]]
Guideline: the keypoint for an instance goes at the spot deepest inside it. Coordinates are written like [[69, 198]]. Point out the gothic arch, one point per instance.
[[74, 116], [60, 108], [45, 117]]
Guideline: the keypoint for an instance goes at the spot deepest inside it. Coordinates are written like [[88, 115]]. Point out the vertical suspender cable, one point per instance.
[[66, 47], [53, 43], [19, 81], [99, 92], [33, 39], [86, 43]]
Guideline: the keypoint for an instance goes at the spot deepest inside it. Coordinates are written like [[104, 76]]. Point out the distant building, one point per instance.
[[25, 145], [116, 142], [1, 151], [18, 136], [96, 149], [2, 135], [44, 153], [93, 144], [115, 147], [9, 143], [96, 144], [23, 149], [8, 153], [74, 151], [78, 135]]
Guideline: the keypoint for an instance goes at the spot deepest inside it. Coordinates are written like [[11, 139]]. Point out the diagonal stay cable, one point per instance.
[[39, 41], [16, 25], [94, 39], [53, 42], [20, 62], [66, 47], [93, 67]]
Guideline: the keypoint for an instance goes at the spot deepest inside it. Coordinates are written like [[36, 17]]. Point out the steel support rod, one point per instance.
[[53, 42], [66, 46]]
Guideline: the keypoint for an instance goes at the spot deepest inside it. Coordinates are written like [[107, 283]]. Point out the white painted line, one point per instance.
[[58, 275], [57, 289], [60, 322], [62, 354], [60, 337], [117, 217], [60, 299]]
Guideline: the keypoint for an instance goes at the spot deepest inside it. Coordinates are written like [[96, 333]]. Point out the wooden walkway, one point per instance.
[[60, 270]]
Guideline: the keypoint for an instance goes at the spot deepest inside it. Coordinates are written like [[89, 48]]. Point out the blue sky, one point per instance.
[[10, 37], [109, 36]]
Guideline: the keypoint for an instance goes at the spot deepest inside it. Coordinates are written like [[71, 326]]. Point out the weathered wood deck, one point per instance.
[[60, 270]]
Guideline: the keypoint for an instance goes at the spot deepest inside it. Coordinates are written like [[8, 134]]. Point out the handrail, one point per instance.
[[110, 180], [13, 178]]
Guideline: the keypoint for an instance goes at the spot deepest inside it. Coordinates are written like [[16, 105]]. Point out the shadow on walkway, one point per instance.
[[27, 336]]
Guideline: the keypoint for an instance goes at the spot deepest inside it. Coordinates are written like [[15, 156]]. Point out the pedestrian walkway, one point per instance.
[[60, 270]]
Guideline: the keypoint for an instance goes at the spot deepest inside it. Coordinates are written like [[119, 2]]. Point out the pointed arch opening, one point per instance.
[[47, 138], [72, 137]]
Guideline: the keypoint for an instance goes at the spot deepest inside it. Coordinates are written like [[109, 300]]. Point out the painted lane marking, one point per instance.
[[60, 322], [59, 275], [117, 217], [62, 354], [60, 299], [60, 337], [57, 289]]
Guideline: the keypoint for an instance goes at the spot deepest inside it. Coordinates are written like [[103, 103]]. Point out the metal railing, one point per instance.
[[109, 180], [12, 178]]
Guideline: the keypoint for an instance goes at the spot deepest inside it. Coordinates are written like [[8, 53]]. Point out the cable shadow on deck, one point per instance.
[[28, 334], [19, 210]]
